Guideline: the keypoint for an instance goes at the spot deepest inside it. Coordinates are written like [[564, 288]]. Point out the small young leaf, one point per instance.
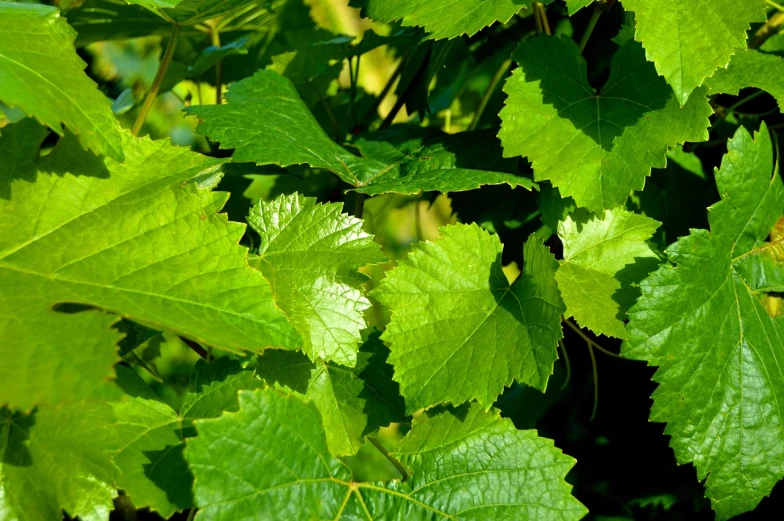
[[604, 260], [718, 351], [270, 460], [353, 402], [311, 254], [459, 330]]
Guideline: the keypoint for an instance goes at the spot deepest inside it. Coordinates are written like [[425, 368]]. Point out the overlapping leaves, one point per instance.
[[134, 238], [719, 353], [270, 460]]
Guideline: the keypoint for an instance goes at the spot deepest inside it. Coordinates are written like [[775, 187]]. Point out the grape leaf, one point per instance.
[[270, 460], [751, 68], [688, 41], [32, 36], [604, 260], [101, 20], [459, 331], [719, 353], [266, 122], [192, 12], [133, 238], [58, 459], [154, 472], [311, 254], [595, 147], [446, 18], [353, 402], [575, 5]]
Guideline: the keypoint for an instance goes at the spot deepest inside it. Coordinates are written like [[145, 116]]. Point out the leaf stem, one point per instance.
[[775, 4], [597, 12], [400, 468], [191, 513], [359, 205], [562, 347], [156, 83], [542, 23], [595, 371], [199, 350], [770, 28], [406, 93], [500, 73], [215, 37], [383, 94], [589, 341]]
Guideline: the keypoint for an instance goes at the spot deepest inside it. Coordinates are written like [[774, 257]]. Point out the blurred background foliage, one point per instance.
[[351, 73]]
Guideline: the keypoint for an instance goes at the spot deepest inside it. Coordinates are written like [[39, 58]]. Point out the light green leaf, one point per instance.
[[192, 12], [41, 73], [270, 460], [134, 238], [425, 160], [689, 40], [459, 330], [719, 353], [575, 5], [311, 254], [353, 402], [266, 122], [58, 459], [751, 68], [595, 147], [154, 472], [604, 260], [445, 18]]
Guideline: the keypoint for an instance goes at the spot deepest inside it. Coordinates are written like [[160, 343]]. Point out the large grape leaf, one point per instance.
[[595, 147], [311, 254], [353, 402], [604, 260], [266, 122], [446, 18], [459, 330], [134, 238], [690, 39], [719, 353], [58, 459], [41, 74], [153, 471], [270, 460], [751, 68]]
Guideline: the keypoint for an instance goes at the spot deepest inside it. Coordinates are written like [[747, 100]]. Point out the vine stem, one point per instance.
[[770, 28], [400, 468], [191, 513], [500, 73], [542, 23], [383, 94], [215, 37], [595, 371], [156, 83], [567, 363], [589, 341], [359, 205]]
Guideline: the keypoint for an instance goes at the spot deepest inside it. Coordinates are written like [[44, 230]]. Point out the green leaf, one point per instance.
[[42, 74], [58, 459], [266, 122], [604, 260], [353, 402], [134, 238], [751, 68], [445, 18], [688, 41], [425, 160], [101, 20], [575, 5], [595, 147], [192, 12], [459, 329], [282, 131], [154, 472], [270, 460], [719, 353], [311, 254]]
